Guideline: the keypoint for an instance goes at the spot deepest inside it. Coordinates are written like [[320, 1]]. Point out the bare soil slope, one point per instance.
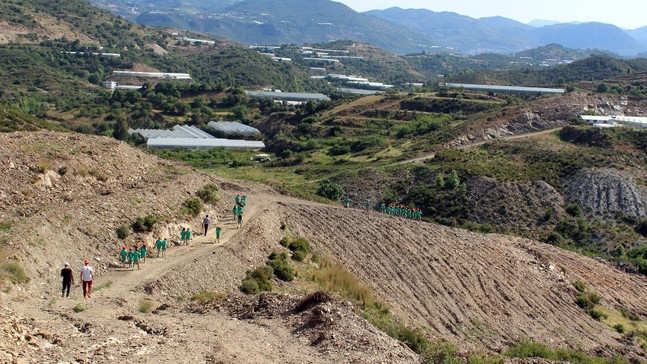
[[477, 291]]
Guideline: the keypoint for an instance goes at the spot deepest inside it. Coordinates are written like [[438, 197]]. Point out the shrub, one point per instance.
[[282, 268], [192, 206], [314, 258], [619, 328], [145, 306], [257, 280], [574, 209], [79, 308], [144, 224], [330, 190], [123, 232], [300, 245], [299, 256], [62, 171], [554, 238], [208, 193], [579, 286], [339, 150]]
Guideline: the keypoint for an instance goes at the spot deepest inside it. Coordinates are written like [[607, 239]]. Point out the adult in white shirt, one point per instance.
[[87, 275]]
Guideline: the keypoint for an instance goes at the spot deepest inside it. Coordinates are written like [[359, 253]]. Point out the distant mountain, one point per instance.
[[639, 34], [538, 23], [277, 22], [504, 35], [591, 36]]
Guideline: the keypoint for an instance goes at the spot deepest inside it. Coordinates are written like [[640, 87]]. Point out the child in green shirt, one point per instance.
[[218, 231]]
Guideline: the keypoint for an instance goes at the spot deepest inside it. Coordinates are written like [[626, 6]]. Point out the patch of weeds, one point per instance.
[[314, 258], [179, 298], [102, 286], [205, 296], [79, 308], [99, 175], [479, 358], [13, 272], [619, 328], [6, 225], [281, 266], [41, 243], [299, 256], [67, 219], [300, 247], [145, 305], [62, 170], [257, 280], [597, 315], [531, 349]]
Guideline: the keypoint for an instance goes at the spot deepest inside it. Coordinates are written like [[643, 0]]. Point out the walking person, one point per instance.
[[218, 231], [124, 256], [87, 276], [205, 222], [136, 256], [143, 250], [240, 220], [367, 204], [68, 279], [158, 245], [187, 236]]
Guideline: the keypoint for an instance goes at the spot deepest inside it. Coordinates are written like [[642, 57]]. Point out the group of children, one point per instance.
[[239, 209], [401, 211], [133, 255], [130, 257]]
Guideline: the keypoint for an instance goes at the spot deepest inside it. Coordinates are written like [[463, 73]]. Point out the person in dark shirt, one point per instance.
[[68, 280]]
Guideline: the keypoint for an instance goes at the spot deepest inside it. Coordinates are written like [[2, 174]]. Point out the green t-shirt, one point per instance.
[[218, 230], [183, 234], [158, 243], [130, 255], [143, 250], [164, 242], [124, 254], [136, 255], [187, 235]]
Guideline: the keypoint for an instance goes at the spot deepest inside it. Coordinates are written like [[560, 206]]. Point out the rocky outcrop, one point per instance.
[[515, 205], [605, 192]]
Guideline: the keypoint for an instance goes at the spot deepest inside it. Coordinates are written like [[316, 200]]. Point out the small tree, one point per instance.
[[121, 129], [452, 181], [440, 180], [330, 190]]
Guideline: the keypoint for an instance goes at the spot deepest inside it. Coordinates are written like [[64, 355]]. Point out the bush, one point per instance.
[[208, 193], [192, 206], [330, 190], [579, 286], [282, 268], [257, 280], [144, 224], [299, 256], [554, 238], [574, 210], [300, 245], [530, 349], [79, 308], [123, 232], [338, 150], [619, 328]]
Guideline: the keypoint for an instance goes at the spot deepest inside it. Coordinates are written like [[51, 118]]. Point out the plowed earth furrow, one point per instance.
[[475, 290]]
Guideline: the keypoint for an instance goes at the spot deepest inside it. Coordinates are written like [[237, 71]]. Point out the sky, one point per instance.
[[627, 14]]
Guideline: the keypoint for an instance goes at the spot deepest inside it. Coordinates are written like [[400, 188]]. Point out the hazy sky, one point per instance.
[[629, 14]]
